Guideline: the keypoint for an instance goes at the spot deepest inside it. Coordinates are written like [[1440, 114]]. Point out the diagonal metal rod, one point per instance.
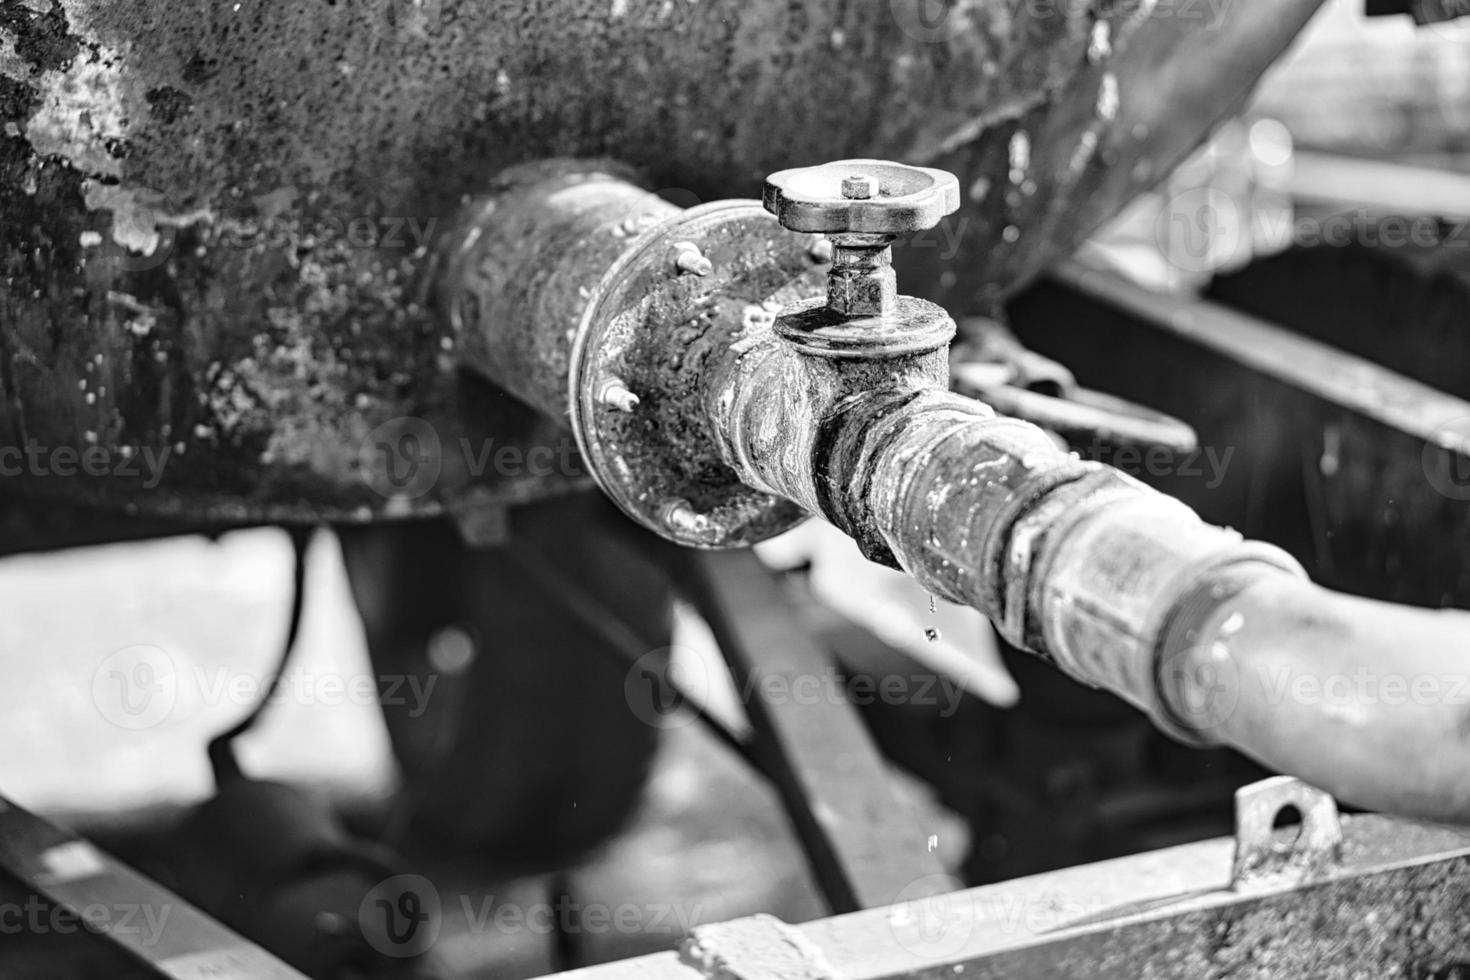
[[866, 849]]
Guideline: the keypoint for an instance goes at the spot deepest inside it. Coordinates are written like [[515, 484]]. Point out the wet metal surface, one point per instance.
[[217, 215], [1393, 907]]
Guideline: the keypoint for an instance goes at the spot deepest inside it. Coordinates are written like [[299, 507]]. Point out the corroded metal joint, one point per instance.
[[793, 424], [600, 304], [719, 397], [1074, 561]]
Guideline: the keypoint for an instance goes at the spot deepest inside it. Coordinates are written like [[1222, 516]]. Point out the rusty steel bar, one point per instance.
[[737, 414], [1390, 906], [66, 872]]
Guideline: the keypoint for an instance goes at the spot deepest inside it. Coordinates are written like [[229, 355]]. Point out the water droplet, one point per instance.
[[1108, 98], [1020, 156], [932, 635], [1100, 44]]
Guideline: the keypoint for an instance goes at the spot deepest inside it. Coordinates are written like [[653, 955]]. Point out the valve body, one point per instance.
[[709, 413]]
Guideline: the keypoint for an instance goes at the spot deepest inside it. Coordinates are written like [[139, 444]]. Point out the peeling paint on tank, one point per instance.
[[383, 111], [81, 117], [12, 65]]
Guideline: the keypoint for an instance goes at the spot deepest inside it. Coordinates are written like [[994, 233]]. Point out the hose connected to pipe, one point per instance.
[[1367, 700], [720, 421]]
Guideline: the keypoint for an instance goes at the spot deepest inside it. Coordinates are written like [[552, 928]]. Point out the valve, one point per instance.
[[864, 206]]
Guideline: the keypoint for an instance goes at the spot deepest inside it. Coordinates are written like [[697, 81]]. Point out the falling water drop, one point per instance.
[[932, 635]]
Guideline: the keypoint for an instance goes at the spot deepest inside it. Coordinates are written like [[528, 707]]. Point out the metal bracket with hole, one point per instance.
[[1261, 853]]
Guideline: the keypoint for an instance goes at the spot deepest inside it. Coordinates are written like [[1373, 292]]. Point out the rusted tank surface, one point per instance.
[[218, 214]]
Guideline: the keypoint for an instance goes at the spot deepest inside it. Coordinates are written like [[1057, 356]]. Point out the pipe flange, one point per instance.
[[689, 287]]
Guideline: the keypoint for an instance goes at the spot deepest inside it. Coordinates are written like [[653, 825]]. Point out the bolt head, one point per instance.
[[689, 260], [680, 518], [859, 188], [614, 394]]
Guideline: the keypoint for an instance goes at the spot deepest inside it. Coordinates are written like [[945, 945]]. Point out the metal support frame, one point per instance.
[[865, 849], [114, 901], [1391, 905]]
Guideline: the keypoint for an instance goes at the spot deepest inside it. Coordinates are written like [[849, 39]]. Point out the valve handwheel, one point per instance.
[[864, 206], [870, 197]]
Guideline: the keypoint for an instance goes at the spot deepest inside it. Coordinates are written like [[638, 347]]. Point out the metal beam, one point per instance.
[[1393, 907], [866, 849], [136, 915]]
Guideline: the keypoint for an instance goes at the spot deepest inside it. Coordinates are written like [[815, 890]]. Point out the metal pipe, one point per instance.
[[734, 416], [1367, 700], [1073, 560]]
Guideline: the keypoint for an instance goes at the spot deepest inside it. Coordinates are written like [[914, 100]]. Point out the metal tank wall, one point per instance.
[[217, 213]]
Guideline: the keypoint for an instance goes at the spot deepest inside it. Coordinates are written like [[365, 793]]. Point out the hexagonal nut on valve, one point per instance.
[[863, 197]]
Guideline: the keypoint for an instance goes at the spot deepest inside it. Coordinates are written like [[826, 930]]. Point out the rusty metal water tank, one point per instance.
[[217, 214]]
